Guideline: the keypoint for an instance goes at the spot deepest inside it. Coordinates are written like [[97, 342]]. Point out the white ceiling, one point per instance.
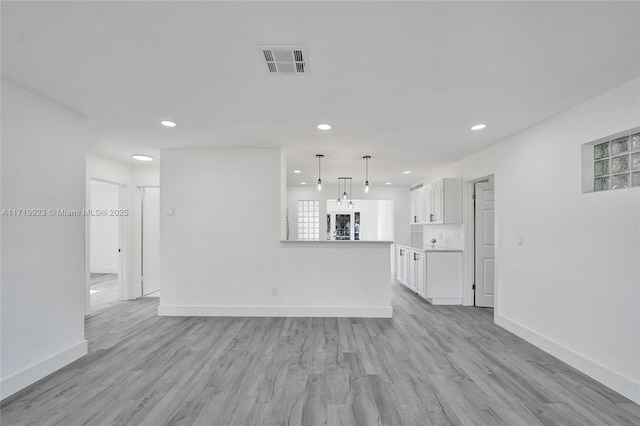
[[400, 81]]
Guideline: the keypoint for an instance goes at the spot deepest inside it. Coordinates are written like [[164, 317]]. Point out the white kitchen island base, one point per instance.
[[310, 279]]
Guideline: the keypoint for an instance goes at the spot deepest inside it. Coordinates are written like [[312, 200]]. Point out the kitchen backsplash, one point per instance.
[[450, 236], [417, 236]]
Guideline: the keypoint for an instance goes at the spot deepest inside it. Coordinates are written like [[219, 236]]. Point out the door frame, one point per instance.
[[140, 237], [123, 227], [468, 255]]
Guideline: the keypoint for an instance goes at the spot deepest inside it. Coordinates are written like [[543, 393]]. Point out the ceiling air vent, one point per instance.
[[285, 60]]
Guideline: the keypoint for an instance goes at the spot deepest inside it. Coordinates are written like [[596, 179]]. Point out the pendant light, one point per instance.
[[344, 194], [320, 157], [366, 182]]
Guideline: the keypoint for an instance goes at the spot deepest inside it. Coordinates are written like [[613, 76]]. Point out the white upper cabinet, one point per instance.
[[437, 203], [419, 199], [447, 202], [427, 204], [413, 205]]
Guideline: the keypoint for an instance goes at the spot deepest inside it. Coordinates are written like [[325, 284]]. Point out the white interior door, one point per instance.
[[484, 244], [150, 240]]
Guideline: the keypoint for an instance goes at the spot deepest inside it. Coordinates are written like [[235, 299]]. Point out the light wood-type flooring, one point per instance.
[[104, 291], [428, 365]]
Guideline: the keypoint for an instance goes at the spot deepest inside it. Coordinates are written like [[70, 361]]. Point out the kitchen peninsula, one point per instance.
[[340, 278], [222, 254]]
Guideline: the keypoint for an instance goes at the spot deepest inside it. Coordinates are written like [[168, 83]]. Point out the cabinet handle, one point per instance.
[[431, 217], [415, 256], [401, 252], [415, 219]]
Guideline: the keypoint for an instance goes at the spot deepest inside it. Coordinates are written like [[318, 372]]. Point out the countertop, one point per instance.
[[339, 242], [437, 248]]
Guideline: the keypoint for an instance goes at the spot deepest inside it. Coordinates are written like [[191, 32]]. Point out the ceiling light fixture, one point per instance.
[[320, 157], [168, 123], [342, 181], [366, 182], [142, 157], [406, 172], [297, 171], [478, 127], [324, 126], [303, 183], [387, 183]]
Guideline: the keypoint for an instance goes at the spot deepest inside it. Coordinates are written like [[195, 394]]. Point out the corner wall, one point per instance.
[[573, 287], [42, 277]]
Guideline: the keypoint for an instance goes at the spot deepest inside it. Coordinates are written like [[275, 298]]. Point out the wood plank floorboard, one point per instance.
[[429, 365], [104, 291]]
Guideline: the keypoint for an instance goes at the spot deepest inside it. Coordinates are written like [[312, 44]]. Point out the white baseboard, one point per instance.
[[104, 270], [35, 372], [623, 385], [445, 301], [277, 311]]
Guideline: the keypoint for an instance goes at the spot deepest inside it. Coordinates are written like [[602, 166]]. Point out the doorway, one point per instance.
[[484, 243], [105, 245], [150, 268]]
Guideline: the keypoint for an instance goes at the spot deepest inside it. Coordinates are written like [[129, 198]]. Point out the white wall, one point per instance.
[[104, 229], [220, 251], [42, 278], [398, 194], [573, 287]]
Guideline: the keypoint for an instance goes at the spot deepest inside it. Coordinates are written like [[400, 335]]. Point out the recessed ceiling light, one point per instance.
[[167, 123], [387, 183], [142, 157], [406, 172], [478, 127], [297, 171], [303, 183], [324, 126]]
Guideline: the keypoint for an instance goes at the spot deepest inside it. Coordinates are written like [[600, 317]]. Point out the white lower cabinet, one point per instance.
[[402, 257], [435, 275], [419, 265], [444, 277]]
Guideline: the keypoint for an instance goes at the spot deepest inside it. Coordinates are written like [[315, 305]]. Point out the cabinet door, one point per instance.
[[419, 216], [413, 206], [412, 270], [437, 209], [402, 266], [427, 204], [406, 265], [419, 265], [444, 276]]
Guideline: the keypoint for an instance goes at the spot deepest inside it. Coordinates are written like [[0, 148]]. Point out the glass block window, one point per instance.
[[616, 162], [308, 220]]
